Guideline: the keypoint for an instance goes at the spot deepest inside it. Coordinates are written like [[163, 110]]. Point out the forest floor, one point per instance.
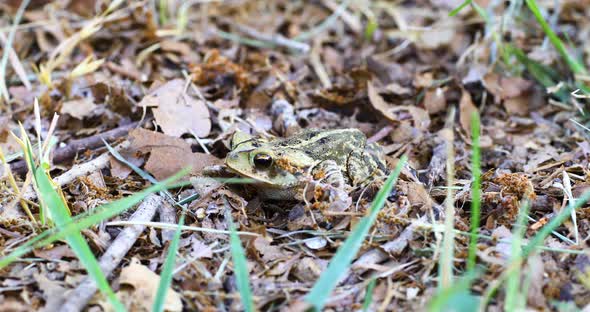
[[103, 103]]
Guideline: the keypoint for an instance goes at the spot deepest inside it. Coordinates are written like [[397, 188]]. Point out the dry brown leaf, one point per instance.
[[423, 80], [7, 142], [517, 105], [269, 252], [505, 87], [417, 195], [176, 112], [435, 101], [168, 155], [513, 91], [420, 117], [466, 110], [439, 34], [145, 286], [79, 108], [56, 253], [121, 170]]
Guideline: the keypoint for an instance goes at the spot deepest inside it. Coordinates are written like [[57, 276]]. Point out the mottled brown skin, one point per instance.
[[281, 166]]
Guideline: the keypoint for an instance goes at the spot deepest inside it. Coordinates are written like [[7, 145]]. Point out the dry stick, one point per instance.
[[79, 170], [351, 20], [167, 214], [17, 66], [88, 167], [79, 297], [75, 146], [276, 39]]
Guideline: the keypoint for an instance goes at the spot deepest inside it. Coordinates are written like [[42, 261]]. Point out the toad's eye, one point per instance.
[[262, 161]]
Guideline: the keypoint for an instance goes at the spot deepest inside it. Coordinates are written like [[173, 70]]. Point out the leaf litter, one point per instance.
[[173, 84]]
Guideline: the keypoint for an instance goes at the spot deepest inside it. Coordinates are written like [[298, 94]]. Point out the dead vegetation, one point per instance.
[[167, 84]]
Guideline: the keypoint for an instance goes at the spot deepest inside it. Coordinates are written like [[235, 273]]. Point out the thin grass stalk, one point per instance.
[[475, 190]]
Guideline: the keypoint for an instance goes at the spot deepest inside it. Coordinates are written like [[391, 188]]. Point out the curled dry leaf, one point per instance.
[[145, 286], [268, 251], [512, 91], [176, 112], [395, 113]]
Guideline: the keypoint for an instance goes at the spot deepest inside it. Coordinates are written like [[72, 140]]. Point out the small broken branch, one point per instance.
[[79, 297]]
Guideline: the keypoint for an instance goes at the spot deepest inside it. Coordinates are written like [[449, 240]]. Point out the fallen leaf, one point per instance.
[[517, 105], [121, 170], [79, 108], [439, 34], [435, 101], [269, 252], [168, 155], [466, 110], [145, 286], [176, 112], [199, 249], [7, 142], [512, 91], [56, 253], [52, 292], [395, 113]]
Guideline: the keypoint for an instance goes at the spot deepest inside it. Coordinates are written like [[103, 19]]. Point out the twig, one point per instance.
[[317, 65], [79, 297], [4, 60], [325, 24], [75, 146], [76, 171], [167, 214], [351, 20], [16, 64], [88, 167], [275, 39]]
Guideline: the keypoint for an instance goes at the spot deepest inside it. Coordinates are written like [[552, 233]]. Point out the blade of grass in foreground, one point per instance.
[[515, 296], [475, 191], [460, 7], [369, 294], [84, 221], [456, 297], [339, 264], [546, 230], [240, 267], [572, 62], [60, 215], [168, 269]]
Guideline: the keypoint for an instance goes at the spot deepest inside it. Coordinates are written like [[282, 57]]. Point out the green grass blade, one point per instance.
[[456, 298], [240, 267], [369, 295], [543, 74], [475, 191], [87, 220], [460, 7], [168, 269], [60, 214], [546, 230], [572, 62], [514, 291], [163, 10], [339, 264]]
